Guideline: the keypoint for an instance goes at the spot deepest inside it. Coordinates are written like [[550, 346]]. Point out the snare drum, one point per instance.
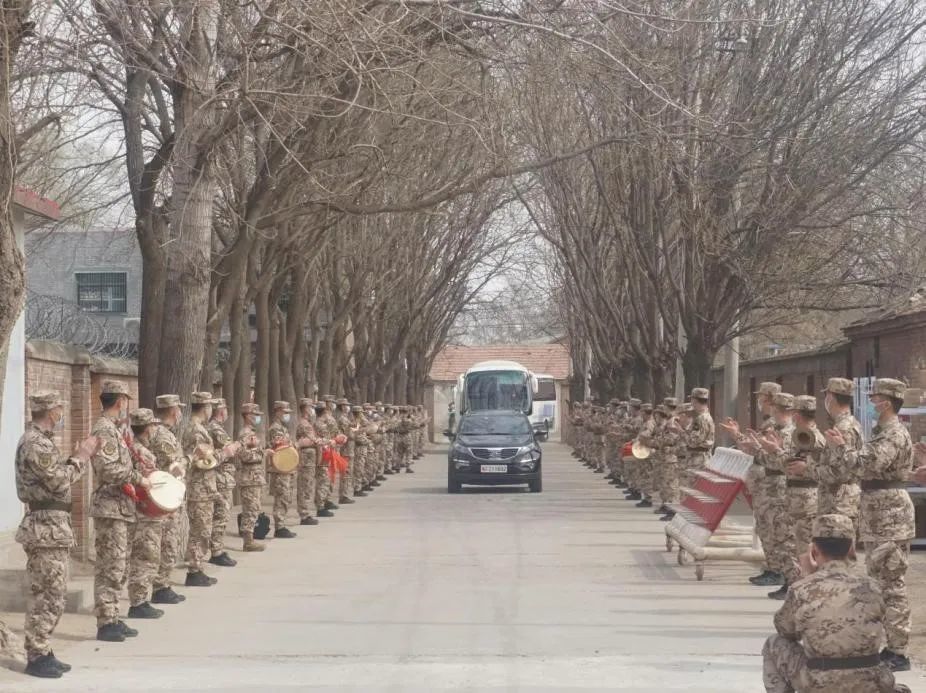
[[285, 459], [164, 496]]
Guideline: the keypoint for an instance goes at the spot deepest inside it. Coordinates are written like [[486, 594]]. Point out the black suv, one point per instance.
[[494, 448]]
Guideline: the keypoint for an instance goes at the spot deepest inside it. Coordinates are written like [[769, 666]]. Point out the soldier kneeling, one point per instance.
[[830, 627]]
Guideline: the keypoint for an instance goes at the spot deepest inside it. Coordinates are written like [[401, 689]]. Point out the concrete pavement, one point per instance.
[[413, 589]]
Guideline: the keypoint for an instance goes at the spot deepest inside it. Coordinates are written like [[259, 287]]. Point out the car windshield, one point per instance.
[[494, 425]]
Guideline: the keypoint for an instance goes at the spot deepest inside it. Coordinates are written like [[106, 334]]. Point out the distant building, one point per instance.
[[84, 287]]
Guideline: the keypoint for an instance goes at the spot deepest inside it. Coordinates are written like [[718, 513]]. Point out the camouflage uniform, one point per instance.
[[224, 484], [201, 491], [282, 486], [346, 428], [643, 469], [669, 491], [112, 511], [827, 618], [309, 462], [887, 519], [145, 536], [327, 427], [168, 453], [700, 437], [43, 483], [838, 490], [362, 450], [403, 445], [250, 478]]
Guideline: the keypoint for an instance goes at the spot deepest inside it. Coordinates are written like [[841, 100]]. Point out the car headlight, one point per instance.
[[460, 464], [459, 450], [527, 458]]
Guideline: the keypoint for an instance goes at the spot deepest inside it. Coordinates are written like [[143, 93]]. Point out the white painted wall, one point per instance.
[[13, 414]]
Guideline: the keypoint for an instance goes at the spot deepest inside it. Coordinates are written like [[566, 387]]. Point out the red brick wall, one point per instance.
[[899, 354], [77, 378]]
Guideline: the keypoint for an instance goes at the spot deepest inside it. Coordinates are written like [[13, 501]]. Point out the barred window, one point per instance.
[[101, 292]]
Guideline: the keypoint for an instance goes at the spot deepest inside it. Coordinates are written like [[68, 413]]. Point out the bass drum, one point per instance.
[[285, 460], [165, 495]]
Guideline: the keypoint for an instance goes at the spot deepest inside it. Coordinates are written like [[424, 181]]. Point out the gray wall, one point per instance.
[[55, 256]]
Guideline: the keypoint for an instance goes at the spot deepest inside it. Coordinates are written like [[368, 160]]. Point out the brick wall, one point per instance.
[[77, 377]]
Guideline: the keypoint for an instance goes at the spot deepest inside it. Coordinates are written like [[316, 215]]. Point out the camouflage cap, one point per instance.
[[342, 401], [784, 400], [767, 388], [614, 402], [700, 393], [357, 409], [115, 387], [634, 402], [840, 386], [833, 526], [320, 405], [661, 409], [328, 398], [202, 398], [143, 417], [219, 402], [167, 401], [377, 404], [282, 405], [670, 402], [251, 408], [646, 406], [44, 400], [889, 388], [806, 404], [306, 402], [367, 405], [685, 408]]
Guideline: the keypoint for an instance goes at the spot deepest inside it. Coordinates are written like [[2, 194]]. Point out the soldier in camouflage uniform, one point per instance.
[[282, 485], [163, 443], [807, 443], [700, 438], [838, 489], [251, 461], [642, 469], [328, 423], [145, 535], [43, 483], [309, 445], [629, 431], [362, 451], [112, 511], [224, 484], [201, 486], [346, 428], [886, 522], [390, 426], [404, 447], [831, 624], [667, 472], [323, 475]]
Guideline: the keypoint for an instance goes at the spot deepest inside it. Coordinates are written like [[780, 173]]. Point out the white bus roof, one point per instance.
[[543, 376], [497, 366]]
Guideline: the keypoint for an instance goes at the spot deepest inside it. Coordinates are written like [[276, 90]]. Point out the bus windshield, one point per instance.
[[508, 390]]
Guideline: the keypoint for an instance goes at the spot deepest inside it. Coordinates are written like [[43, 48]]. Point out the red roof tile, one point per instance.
[[548, 359]]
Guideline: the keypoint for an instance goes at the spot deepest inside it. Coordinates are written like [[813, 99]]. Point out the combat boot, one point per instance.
[[346, 501], [380, 477], [359, 494], [634, 496], [769, 580], [330, 506], [58, 663], [389, 471], [127, 630], [781, 593], [308, 521], [283, 533], [224, 560], [44, 667], [409, 470], [645, 503], [110, 632], [166, 595], [199, 579], [324, 512], [250, 545], [144, 610], [895, 661]]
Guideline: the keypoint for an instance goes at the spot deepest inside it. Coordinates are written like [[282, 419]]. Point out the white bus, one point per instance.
[[499, 385], [546, 405]]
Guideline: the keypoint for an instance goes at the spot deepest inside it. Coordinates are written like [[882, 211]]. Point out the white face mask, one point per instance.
[[286, 418], [257, 420], [59, 424]]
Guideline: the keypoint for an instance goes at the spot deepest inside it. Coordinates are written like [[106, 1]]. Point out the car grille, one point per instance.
[[494, 453]]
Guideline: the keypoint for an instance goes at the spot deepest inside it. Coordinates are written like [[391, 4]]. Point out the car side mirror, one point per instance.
[[449, 434]]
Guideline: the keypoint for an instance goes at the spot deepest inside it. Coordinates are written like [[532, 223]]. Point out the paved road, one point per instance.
[[417, 590]]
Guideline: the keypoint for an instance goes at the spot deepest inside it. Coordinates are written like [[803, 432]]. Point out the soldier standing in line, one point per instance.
[[831, 624], [700, 438], [667, 472], [800, 492], [346, 428], [630, 431], [756, 479], [774, 510], [886, 522], [361, 451], [322, 473], [145, 539], [678, 427], [308, 442], [391, 445], [201, 486], [644, 468], [282, 486], [332, 429], [838, 489], [252, 457], [224, 483], [112, 511], [404, 439], [653, 440], [377, 416], [613, 441], [163, 443], [43, 483]]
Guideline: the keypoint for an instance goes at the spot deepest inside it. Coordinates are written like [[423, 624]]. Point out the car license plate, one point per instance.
[[494, 468]]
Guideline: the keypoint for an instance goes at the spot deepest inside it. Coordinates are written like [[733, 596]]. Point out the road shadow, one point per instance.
[[467, 490]]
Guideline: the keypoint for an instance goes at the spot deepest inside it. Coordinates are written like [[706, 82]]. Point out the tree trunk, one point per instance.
[[186, 296], [697, 362], [230, 367], [262, 358], [154, 281], [274, 365]]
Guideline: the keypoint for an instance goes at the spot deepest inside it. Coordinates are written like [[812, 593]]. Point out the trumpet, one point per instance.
[[205, 458], [805, 441]]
